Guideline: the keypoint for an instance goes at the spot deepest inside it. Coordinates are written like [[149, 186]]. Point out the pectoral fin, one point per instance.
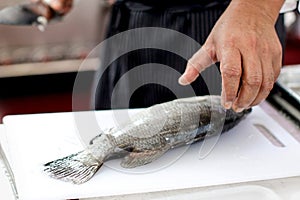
[[135, 159]]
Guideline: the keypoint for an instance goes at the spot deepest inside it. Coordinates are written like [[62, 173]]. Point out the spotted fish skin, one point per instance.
[[148, 135]]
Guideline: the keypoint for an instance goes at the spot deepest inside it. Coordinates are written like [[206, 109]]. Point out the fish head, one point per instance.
[[232, 118]]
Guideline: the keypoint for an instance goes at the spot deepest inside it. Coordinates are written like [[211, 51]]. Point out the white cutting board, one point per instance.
[[6, 191], [242, 154]]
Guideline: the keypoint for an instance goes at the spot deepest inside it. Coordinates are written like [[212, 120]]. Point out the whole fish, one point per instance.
[[148, 135]]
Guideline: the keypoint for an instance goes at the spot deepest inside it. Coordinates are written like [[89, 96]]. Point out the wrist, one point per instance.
[[268, 8]]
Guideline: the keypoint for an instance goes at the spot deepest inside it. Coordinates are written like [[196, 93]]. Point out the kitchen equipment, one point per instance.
[[286, 93]]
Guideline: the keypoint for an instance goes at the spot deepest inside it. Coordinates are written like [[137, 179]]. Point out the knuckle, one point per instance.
[[230, 42], [253, 81], [231, 71], [210, 51]]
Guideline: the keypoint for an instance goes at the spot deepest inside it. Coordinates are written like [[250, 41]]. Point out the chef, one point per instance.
[[240, 35]]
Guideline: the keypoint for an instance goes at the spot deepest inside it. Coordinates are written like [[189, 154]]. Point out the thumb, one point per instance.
[[199, 62]]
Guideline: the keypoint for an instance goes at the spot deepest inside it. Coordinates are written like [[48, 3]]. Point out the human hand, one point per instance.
[[245, 43], [46, 7]]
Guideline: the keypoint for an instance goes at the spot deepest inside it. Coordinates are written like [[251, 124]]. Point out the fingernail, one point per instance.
[[227, 105], [182, 81], [239, 110]]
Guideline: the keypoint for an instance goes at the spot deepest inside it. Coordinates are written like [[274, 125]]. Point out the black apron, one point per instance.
[[194, 18]]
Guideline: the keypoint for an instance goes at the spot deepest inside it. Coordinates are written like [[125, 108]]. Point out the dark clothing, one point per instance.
[[169, 4], [194, 18]]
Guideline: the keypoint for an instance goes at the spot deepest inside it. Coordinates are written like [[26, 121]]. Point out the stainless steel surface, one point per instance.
[[17, 15], [282, 119], [73, 37], [287, 95], [63, 66], [290, 79]]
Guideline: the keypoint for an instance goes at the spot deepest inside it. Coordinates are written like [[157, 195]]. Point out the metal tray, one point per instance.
[[286, 93], [290, 80]]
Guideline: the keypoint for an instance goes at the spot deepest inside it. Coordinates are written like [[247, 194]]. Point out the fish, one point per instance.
[[147, 136], [33, 13]]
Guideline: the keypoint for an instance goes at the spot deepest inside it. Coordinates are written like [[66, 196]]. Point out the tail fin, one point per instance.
[[77, 168]]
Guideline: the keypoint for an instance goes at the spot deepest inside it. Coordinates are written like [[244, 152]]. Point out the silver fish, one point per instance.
[[147, 136]]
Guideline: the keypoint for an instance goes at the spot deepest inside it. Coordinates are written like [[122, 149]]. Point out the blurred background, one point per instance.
[[38, 69]]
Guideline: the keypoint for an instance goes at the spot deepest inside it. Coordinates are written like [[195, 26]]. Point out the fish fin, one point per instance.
[[77, 168], [136, 159]]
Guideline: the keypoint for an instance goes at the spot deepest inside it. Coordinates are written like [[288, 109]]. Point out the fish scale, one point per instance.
[[148, 135]]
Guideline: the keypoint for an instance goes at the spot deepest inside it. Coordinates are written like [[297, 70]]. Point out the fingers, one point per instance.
[[61, 6], [267, 82], [247, 78], [199, 61], [257, 81], [190, 75], [47, 8], [270, 71], [40, 9], [251, 81], [231, 71], [245, 42]]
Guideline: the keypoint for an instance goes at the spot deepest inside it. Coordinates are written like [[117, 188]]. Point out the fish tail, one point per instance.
[[77, 168]]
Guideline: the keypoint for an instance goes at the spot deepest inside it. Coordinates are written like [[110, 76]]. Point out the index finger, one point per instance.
[[199, 62]]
